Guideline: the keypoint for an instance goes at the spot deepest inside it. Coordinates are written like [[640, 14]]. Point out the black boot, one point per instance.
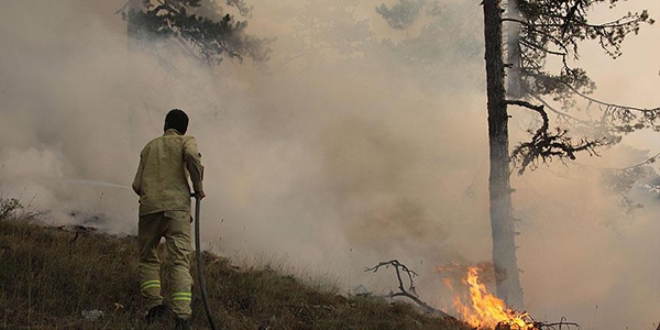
[[182, 324], [156, 313]]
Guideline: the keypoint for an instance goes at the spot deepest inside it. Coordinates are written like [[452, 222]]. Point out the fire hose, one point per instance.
[[200, 273], [198, 249]]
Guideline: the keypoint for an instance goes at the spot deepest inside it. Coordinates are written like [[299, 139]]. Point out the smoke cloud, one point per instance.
[[338, 156]]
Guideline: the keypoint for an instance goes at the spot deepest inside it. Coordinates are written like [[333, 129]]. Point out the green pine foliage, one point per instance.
[[202, 26], [550, 28]]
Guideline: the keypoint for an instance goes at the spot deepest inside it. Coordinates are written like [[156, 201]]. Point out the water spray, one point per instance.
[[198, 250], [96, 183]]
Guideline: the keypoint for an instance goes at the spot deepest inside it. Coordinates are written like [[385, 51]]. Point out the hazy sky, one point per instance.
[[327, 164]]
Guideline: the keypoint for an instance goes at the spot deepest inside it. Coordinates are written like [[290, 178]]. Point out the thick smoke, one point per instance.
[[339, 156]]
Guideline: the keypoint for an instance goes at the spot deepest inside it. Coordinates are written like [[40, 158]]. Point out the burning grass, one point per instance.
[[483, 310], [49, 276]]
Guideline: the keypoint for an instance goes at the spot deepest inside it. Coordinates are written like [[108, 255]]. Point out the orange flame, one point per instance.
[[487, 311]]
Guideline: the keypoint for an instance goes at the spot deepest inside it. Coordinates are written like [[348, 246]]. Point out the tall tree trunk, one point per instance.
[[513, 83], [504, 247]]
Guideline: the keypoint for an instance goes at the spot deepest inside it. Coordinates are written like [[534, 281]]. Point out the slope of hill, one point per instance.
[[51, 278]]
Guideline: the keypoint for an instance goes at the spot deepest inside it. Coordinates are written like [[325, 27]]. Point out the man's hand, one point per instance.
[[200, 194]]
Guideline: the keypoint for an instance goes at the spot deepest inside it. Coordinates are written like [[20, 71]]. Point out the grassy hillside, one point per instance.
[[49, 276]]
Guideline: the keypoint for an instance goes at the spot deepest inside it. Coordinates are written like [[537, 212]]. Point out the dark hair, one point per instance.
[[178, 120]]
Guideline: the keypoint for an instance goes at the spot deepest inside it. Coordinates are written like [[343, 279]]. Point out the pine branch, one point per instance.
[[211, 38], [569, 17], [623, 118]]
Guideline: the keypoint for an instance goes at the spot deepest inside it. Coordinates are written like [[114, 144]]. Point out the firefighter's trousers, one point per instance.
[[174, 226]]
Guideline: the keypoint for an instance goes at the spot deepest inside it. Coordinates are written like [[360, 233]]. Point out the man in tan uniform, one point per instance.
[[161, 181]]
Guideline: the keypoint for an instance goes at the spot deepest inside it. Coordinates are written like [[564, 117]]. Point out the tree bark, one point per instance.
[[513, 81], [504, 248]]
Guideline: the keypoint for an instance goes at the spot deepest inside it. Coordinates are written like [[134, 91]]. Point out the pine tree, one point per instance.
[[203, 27], [541, 29]]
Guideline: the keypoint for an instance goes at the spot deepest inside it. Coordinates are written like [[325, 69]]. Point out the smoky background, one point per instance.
[[340, 154]]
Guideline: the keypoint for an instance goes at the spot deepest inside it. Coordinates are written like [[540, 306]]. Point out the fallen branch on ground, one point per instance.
[[562, 324], [410, 292]]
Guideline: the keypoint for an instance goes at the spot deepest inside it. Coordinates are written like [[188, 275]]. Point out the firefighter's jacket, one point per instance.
[[161, 180]]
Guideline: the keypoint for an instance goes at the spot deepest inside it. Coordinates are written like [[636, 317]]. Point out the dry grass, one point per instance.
[[48, 276]]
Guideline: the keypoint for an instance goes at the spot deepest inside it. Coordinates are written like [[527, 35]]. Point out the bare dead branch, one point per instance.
[[397, 265], [410, 292], [538, 108], [562, 324], [525, 104], [545, 144]]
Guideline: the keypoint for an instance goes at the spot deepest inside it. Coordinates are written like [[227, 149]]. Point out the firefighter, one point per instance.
[[161, 181]]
